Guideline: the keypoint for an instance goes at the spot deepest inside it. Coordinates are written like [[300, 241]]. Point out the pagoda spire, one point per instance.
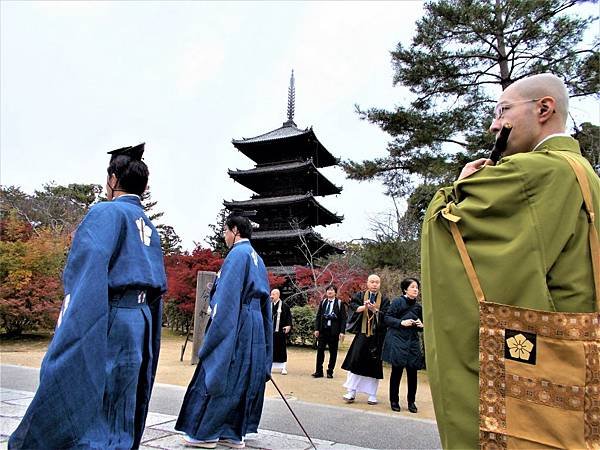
[[291, 106]]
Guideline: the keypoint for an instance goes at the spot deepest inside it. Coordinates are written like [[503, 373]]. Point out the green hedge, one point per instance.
[[176, 319], [303, 326]]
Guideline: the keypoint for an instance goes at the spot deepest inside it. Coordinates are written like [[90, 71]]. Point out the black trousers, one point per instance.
[[411, 375], [327, 339]]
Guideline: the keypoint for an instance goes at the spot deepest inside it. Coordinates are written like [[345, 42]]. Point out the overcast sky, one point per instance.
[[81, 78]]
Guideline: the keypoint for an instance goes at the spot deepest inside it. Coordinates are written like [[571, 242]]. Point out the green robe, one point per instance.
[[527, 234]]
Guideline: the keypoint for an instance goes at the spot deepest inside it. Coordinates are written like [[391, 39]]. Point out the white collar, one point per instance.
[[128, 195], [550, 137], [241, 240]]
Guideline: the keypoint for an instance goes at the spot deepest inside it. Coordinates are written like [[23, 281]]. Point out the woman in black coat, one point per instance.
[[402, 346]]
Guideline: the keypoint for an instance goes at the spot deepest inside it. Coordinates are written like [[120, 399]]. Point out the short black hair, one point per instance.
[[243, 225], [131, 174], [331, 286], [404, 284]]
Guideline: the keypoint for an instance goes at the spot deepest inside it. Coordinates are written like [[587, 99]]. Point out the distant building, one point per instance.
[[286, 181]]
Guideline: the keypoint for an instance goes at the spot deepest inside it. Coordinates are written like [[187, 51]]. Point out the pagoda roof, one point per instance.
[[283, 247], [293, 235], [287, 143], [284, 234], [283, 270], [288, 130], [300, 176], [283, 208]]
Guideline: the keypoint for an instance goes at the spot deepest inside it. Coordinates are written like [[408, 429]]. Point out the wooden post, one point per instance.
[[204, 283]]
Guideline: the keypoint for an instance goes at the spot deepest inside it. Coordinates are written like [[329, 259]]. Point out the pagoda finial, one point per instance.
[[291, 106]]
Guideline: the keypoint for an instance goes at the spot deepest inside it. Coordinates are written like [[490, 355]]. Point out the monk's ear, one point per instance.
[[547, 107]]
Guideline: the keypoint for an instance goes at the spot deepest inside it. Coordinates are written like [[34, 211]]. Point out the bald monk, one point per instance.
[[282, 324], [363, 360], [526, 233]]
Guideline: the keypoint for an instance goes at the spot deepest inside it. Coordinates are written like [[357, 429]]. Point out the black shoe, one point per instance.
[[329, 375], [412, 408], [395, 406], [317, 375]]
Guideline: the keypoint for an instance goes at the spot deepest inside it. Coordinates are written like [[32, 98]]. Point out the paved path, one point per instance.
[[330, 427]]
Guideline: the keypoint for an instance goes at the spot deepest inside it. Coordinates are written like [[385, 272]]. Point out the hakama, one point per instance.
[[98, 372], [225, 397]]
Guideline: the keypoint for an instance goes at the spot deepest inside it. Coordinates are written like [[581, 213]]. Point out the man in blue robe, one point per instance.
[[97, 375], [225, 397]]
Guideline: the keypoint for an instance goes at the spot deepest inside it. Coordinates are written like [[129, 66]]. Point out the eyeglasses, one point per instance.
[[501, 108]]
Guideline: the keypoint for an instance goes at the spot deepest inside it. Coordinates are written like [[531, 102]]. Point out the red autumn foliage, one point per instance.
[[13, 229], [346, 278], [276, 281], [182, 271], [30, 276], [30, 305]]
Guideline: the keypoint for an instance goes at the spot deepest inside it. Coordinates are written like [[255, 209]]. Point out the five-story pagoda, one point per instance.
[[286, 181]]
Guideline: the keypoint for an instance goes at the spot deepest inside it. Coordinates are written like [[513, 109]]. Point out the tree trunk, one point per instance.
[[505, 80]]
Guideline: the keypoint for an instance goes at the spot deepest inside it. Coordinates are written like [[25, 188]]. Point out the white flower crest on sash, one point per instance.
[[145, 231], [63, 310]]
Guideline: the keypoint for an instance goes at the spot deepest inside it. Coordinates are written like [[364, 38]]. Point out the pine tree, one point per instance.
[[463, 54], [148, 204], [170, 242], [216, 241], [588, 136]]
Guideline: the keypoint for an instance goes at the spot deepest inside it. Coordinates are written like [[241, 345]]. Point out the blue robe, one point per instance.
[[97, 375], [225, 397]]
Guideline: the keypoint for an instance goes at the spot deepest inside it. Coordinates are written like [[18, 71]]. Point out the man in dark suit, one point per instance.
[[330, 325]]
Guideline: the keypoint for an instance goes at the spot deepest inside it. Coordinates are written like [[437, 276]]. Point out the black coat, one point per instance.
[[338, 324], [279, 337], [402, 345], [364, 355]]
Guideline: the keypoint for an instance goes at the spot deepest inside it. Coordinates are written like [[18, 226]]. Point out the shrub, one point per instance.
[[180, 299], [176, 318], [303, 326], [390, 281], [30, 269]]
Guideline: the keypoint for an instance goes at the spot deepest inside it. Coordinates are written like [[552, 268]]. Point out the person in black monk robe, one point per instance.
[[282, 324]]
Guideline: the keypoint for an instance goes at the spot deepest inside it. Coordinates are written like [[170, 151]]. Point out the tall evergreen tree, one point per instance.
[[463, 54], [216, 239], [58, 207], [170, 241], [588, 136], [149, 204]]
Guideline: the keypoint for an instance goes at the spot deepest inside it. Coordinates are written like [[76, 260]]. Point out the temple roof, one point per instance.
[[284, 247], [283, 234], [287, 143], [273, 212], [286, 131], [295, 177]]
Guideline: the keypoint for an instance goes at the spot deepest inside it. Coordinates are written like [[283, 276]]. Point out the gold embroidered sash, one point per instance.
[[369, 317], [539, 371]]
